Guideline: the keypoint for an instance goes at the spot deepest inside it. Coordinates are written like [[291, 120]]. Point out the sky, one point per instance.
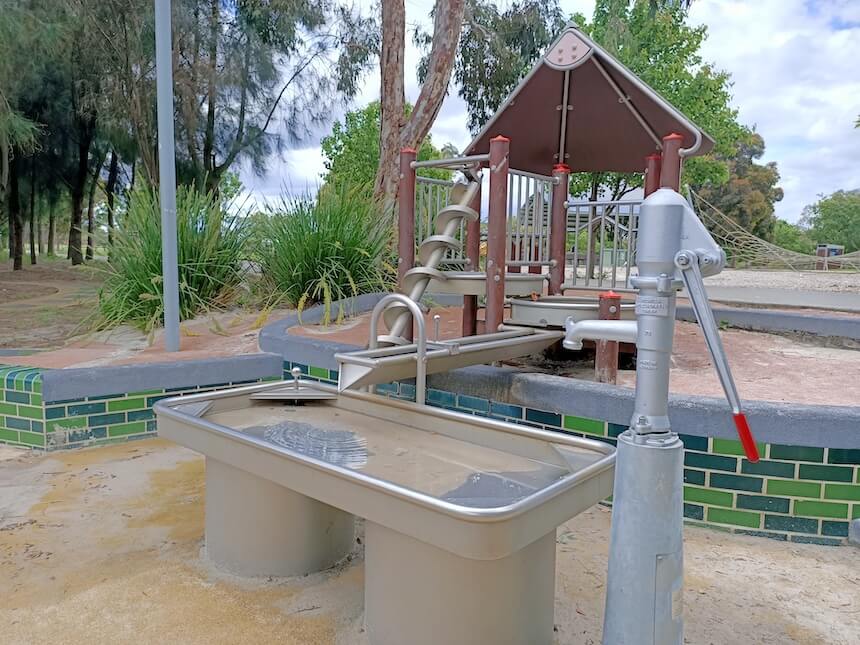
[[794, 66]]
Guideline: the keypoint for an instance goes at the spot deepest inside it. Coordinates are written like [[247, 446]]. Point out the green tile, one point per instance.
[[30, 412], [35, 399], [736, 482], [582, 424], [732, 447], [793, 488], [738, 518], [123, 429], [8, 435], [796, 453], [842, 491], [855, 512], [37, 385], [126, 404], [9, 408], [764, 503], [69, 423], [33, 439], [319, 372], [820, 509], [830, 473], [707, 496]]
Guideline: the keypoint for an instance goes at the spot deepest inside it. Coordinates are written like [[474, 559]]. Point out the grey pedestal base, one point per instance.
[[257, 528], [419, 594]]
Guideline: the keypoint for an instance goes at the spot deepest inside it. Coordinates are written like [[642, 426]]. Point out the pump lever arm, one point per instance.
[[688, 263]]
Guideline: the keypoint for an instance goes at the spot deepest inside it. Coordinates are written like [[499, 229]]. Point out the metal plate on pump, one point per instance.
[[652, 306]]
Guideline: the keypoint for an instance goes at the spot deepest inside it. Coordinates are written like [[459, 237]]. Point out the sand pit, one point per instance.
[[104, 545]]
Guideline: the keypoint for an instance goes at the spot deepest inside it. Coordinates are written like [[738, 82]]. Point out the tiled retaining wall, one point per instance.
[[30, 416], [796, 493]]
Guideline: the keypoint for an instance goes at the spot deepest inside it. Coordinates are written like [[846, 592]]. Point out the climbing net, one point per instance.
[[746, 250]]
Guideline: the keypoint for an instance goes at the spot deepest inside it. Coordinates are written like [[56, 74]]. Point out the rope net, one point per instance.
[[744, 249]]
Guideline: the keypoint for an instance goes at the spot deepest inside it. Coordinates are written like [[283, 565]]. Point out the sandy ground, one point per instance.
[[807, 280], [766, 367], [104, 546]]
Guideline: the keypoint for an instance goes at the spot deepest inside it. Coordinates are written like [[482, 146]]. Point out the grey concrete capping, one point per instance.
[[77, 383], [782, 423], [317, 351], [783, 321]]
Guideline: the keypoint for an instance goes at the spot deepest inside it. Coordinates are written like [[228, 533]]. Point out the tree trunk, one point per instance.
[[94, 182], [394, 133], [32, 219], [39, 232], [52, 225], [86, 130], [203, 174], [16, 225], [391, 100], [110, 189]]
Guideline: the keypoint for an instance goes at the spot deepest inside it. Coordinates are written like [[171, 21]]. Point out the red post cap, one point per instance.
[[673, 135], [561, 167], [409, 150], [655, 155], [500, 138]]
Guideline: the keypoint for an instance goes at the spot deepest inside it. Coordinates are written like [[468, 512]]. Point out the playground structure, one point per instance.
[[461, 511]]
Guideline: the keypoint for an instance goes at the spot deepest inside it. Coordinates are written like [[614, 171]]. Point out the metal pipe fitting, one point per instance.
[[622, 331]]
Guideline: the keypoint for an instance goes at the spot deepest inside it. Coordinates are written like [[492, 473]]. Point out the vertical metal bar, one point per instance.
[[602, 246], [167, 171], [615, 248], [496, 233], [589, 260], [575, 243]]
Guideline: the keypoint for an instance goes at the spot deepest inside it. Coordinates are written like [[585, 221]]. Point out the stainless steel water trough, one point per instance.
[[461, 511]]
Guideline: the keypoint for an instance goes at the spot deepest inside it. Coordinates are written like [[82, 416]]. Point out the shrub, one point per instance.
[[211, 245], [324, 250]]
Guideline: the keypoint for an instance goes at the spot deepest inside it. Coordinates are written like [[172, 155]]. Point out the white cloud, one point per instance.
[[794, 69]]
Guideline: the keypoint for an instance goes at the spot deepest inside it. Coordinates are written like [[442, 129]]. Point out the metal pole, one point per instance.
[[167, 172], [653, 164], [406, 222], [670, 172], [558, 229], [496, 233], [473, 252]]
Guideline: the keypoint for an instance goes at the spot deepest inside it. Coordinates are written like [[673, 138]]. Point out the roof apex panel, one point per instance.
[[611, 119]]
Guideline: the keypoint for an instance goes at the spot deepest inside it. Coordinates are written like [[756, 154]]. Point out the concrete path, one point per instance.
[[840, 301]]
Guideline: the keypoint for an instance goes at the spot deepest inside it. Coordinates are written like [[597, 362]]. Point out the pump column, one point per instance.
[[644, 587]]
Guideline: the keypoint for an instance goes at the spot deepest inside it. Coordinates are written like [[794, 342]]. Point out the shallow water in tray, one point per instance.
[[445, 467]]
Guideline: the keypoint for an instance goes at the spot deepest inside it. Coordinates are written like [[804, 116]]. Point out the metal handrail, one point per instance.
[[452, 162], [421, 348]]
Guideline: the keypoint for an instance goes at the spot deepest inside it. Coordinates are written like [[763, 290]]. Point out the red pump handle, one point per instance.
[[746, 437]]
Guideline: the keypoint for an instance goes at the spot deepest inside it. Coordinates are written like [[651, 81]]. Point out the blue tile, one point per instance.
[[151, 426], [17, 424], [99, 433], [106, 419], [387, 388], [615, 429], [140, 415], [17, 397], [55, 413], [694, 511], [692, 442], [473, 403], [506, 410], [773, 536], [407, 391], [694, 477], [544, 418], [152, 400], [37, 426], [834, 529], [441, 397], [806, 539], [84, 409]]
